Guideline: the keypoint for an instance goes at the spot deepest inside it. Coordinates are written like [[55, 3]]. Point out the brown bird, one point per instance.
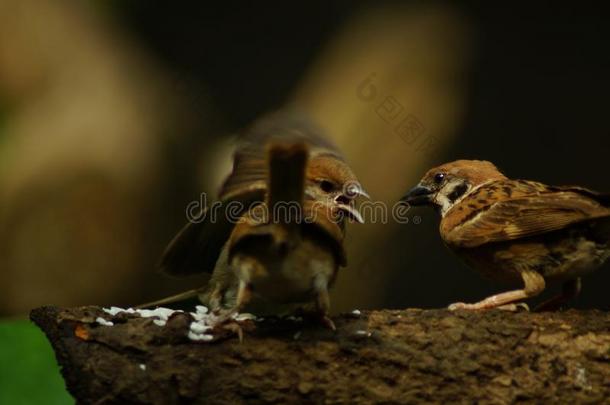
[[282, 158], [286, 250], [517, 230]]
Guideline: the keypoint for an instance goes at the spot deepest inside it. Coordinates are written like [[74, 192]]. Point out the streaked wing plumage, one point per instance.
[[520, 209]]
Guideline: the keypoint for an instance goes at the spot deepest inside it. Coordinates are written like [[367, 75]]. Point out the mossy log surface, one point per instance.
[[388, 356]]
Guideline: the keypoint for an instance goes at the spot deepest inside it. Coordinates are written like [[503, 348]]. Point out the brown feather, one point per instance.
[[528, 209], [197, 246]]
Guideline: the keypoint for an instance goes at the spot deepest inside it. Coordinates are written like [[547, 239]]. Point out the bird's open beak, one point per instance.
[[355, 190], [351, 212], [418, 195], [344, 201]]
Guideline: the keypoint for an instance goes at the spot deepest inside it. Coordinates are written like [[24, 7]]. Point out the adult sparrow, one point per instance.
[[517, 230], [207, 244], [286, 250]]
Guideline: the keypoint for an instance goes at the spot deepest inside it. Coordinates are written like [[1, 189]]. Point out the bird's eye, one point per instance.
[[439, 177], [327, 186]]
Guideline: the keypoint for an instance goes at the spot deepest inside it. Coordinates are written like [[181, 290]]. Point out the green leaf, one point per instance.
[[29, 373]]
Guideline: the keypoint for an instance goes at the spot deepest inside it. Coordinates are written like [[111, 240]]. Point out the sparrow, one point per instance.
[[286, 250], [214, 241], [517, 230]]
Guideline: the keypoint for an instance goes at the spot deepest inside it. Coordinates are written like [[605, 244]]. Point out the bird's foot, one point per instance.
[[314, 316], [483, 305], [515, 307], [463, 306], [234, 323], [234, 327], [328, 323]]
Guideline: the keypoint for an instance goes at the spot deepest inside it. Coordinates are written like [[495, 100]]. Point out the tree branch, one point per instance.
[[379, 356]]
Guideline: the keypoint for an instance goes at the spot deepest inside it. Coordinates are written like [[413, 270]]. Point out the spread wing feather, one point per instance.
[[196, 248]]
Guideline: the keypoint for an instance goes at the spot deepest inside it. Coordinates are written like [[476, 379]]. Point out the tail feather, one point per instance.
[[286, 186]]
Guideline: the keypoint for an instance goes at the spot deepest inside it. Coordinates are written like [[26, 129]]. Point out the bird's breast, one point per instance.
[[559, 255], [286, 275]]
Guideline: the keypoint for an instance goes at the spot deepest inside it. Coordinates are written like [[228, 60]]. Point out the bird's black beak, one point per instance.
[[418, 195]]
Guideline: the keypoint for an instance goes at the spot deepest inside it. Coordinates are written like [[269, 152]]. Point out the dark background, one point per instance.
[[535, 103]]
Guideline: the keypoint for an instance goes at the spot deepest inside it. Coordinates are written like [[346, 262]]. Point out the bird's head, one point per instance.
[[446, 185], [330, 179]]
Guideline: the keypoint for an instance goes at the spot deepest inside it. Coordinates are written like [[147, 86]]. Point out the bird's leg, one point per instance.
[[244, 293], [213, 299], [323, 308], [570, 290], [534, 285]]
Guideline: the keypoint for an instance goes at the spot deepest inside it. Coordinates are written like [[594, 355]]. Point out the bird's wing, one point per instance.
[[197, 246], [531, 209], [602, 198], [329, 227], [250, 169]]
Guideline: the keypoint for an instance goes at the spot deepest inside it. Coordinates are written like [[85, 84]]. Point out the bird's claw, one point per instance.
[[232, 322], [328, 323], [513, 307], [234, 327], [461, 305]]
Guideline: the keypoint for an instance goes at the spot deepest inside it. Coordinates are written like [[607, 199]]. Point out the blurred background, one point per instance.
[[114, 115]]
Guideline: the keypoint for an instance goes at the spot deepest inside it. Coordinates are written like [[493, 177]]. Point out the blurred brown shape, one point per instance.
[[83, 145]]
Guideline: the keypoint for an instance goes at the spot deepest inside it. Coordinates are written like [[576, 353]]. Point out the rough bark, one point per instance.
[[407, 356]]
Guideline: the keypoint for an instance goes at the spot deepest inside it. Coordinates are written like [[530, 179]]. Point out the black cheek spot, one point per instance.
[[481, 201], [473, 206], [507, 190], [457, 192]]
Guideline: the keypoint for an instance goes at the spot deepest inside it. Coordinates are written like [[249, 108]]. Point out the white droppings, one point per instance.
[[244, 317], [199, 337], [203, 323], [103, 322], [581, 379], [142, 367], [363, 333], [113, 310], [199, 327], [160, 314], [356, 312]]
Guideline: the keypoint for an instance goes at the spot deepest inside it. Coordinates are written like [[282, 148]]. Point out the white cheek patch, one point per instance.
[[443, 197], [443, 202]]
